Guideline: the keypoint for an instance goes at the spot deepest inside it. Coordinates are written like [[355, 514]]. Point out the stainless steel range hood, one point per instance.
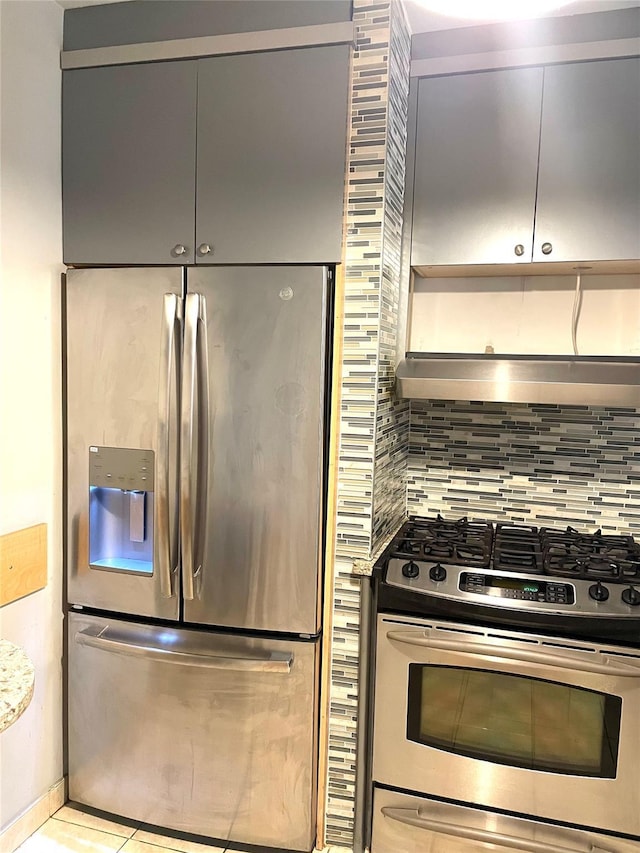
[[569, 380]]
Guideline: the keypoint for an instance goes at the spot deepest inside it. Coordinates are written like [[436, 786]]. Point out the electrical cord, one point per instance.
[[577, 305]]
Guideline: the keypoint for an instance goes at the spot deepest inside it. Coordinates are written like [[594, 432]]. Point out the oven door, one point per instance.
[[517, 722], [417, 825]]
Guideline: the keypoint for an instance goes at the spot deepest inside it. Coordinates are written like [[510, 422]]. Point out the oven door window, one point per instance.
[[514, 720]]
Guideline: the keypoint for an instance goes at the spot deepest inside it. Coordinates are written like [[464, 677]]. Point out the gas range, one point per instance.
[[571, 582]]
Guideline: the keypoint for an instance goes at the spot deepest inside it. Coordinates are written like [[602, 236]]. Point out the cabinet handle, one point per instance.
[[204, 249], [179, 249], [547, 248], [519, 249]]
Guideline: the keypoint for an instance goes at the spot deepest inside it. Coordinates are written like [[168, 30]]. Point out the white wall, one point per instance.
[[530, 315], [30, 395]]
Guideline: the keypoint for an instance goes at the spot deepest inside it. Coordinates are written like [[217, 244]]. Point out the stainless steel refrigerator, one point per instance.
[[195, 458]]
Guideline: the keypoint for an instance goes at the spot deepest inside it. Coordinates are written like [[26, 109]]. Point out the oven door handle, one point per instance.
[[415, 817], [604, 666]]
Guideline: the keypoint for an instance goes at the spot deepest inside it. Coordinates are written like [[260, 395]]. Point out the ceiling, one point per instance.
[[421, 20]]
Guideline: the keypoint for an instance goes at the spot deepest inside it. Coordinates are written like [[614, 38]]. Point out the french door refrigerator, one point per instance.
[[195, 458]]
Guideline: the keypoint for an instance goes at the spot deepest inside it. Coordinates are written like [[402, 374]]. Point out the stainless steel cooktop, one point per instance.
[[517, 567]]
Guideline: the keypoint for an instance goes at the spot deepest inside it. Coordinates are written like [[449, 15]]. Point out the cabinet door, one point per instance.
[[589, 187], [129, 164], [271, 156], [475, 169]]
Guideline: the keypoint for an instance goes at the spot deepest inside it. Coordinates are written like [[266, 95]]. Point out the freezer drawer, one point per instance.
[[207, 733], [418, 825]]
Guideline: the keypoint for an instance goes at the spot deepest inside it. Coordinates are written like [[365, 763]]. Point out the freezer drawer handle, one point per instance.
[[605, 665], [280, 662], [165, 525], [415, 817]]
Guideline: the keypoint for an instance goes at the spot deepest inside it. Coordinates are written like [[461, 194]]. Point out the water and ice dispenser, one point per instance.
[[121, 509]]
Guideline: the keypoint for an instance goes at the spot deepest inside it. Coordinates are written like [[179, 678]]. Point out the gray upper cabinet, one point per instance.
[[589, 185], [233, 159], [522, 165], [128, 164], [271, 156], [475, 167]]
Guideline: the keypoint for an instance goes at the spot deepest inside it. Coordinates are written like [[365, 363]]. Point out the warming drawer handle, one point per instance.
[[415, 817], [606, 666], [187, 419], [277, 662], [164, 553]]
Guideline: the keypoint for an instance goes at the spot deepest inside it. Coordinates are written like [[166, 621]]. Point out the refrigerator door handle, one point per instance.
[[276, 662], [165, 523], [202, 522], [187, 423]]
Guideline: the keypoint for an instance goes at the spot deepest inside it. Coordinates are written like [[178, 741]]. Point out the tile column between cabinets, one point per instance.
[[374, 428]]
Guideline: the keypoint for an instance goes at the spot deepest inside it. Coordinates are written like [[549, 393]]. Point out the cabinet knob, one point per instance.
[[179, 249], [204, 249], [547, 248], [519, 249]]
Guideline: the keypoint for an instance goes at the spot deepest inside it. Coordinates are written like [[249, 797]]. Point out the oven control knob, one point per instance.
[[410, 570], [631, 596], [437, 573], [598, 592]]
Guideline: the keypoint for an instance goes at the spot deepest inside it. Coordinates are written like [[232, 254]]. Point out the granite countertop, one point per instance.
[[365, 567], [17, 676]]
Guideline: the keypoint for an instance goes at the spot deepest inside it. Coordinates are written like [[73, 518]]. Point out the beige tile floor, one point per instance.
[[73, 831]]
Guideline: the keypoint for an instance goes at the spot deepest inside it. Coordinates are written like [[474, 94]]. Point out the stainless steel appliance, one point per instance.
[[507, 683], [195, 459], [571, 380], [411, 824]]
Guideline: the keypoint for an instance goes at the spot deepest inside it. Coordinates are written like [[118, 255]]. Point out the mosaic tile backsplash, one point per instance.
[[373, 426], [392, 415], [537, 464]]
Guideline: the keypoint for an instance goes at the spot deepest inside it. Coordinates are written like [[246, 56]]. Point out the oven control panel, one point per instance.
[[517, 588], [514, 591]]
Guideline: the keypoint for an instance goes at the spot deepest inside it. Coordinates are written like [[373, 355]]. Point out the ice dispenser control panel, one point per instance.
[[116, 467], [121, 509]]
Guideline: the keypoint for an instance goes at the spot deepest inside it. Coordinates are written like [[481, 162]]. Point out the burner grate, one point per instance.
[[461, 542], [570, 553], [517, 549]]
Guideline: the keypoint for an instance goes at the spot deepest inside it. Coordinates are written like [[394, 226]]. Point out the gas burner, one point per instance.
[[570, 553], [460, 542], [590, 566], [410, 546]]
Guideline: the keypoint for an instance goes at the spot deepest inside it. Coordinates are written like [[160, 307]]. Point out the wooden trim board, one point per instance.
[[329, 567], [23, 563]]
